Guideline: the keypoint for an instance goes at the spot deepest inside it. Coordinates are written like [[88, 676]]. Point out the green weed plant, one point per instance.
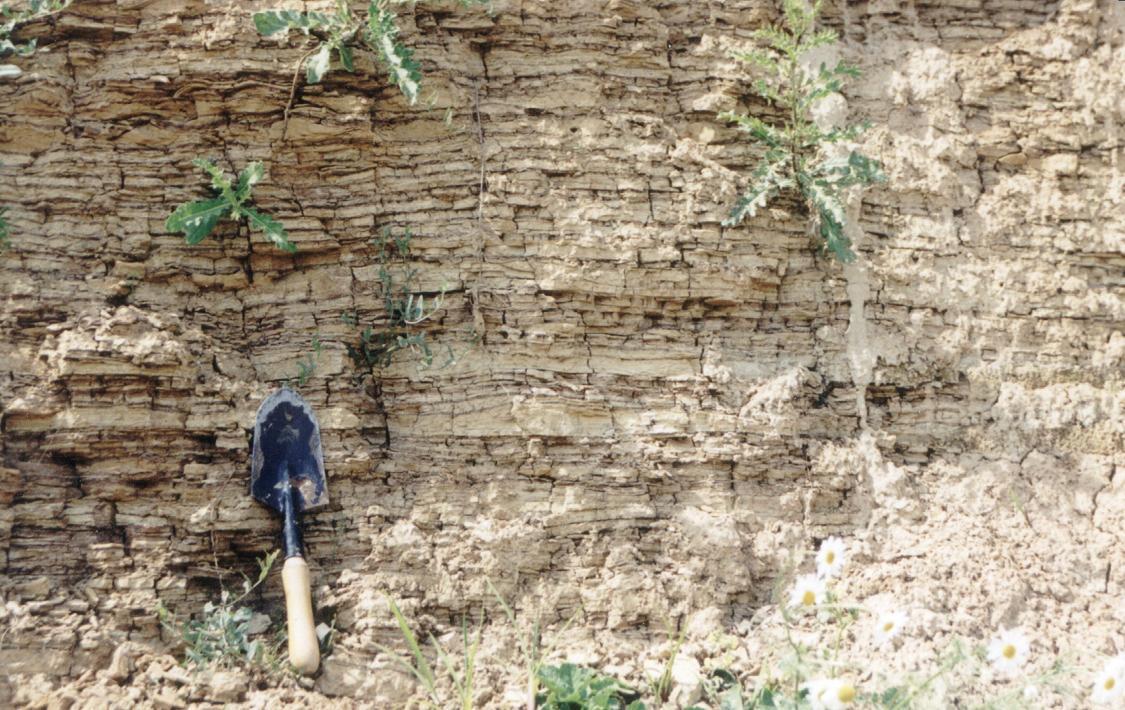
[[5, 233], [232, 200], [405, 309], [799, 155], [341, 32], [220, 636]]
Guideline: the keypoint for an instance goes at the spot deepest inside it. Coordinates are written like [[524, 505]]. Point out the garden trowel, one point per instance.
[[287, 474]]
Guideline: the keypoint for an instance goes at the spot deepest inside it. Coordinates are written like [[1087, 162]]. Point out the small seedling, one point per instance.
[[306, 366], [198, 219], [221, 635], [461, 680], [660, 686], [571, 687], [797, 152], [405, 308], [5, 236], [531, 646]]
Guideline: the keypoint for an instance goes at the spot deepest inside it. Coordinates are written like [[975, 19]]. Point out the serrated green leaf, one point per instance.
[[826, 89], [748, 205], [5, 236], [826, 199], [219, 181], [273, 229], [853, 169], [271, 22], [345, 54], [758, 129], [318, 64], [865, 169], [818, 39], [250, 176], [382, 38], [731, 699], [569, 686], [769, 179], [766, 90], [197, 219], [757, 58], [264, 566], [891, 696], [797, 17], [846, 133], [764, 699], [830, 216], [850, 70], [777, 38]]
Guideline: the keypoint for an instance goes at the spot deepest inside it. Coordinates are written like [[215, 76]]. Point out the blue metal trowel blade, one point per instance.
[[286, 453]]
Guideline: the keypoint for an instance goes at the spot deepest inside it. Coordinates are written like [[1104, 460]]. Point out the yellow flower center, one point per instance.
[[830, 557], [1110, 682], [1009, 651], [808, 598], [888, 627], [846, 693]]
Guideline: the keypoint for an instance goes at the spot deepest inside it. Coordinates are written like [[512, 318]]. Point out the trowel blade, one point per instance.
[[287, 452]]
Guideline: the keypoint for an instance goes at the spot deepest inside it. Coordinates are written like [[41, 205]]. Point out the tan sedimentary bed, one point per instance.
[[659, 407]]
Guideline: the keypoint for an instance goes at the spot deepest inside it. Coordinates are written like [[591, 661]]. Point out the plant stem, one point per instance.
[[796, 650], [293, 88]]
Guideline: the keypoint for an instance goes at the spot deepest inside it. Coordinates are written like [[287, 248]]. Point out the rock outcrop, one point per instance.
[[659, 409]]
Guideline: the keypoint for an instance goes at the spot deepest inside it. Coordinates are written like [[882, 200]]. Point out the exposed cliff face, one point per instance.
[[660, 409]]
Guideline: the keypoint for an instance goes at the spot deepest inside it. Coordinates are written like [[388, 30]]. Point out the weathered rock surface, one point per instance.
[[659, 410]]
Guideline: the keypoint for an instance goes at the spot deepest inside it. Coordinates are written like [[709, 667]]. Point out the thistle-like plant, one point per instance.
[[342, 31], [799, 154], [11, 19], [197, 219]]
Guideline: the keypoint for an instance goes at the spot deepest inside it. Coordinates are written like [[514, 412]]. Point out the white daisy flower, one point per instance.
[[1109, 684], [1030, 692], [814, 691], [890, 624], [808, 591], [831, 557], [1009, 650], [1117, 663], [830, 693]]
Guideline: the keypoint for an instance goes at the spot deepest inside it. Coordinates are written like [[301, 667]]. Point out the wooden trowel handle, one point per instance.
[[304, 650]]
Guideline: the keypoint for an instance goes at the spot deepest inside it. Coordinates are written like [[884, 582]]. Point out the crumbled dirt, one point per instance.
[[660, 412]]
